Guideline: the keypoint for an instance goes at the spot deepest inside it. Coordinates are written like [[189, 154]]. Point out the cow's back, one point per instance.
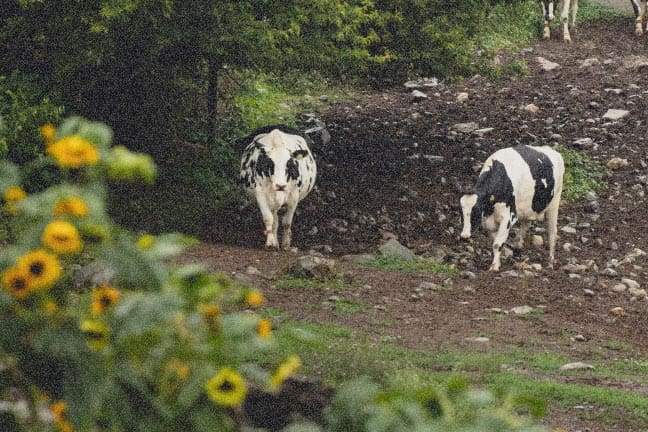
[[536, 174]]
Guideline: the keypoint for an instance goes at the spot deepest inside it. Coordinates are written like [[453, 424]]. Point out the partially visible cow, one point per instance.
[[548, 11], [639, 7], [519, 183], [278, 168]]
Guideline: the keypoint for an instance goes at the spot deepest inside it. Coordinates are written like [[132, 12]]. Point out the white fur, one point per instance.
[[639, 6], [274, 192], [567, 7], [500, 222]]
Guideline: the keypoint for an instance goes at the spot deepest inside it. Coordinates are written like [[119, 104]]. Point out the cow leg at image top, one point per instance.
[[639, 7], [564, 18], [548, 12]]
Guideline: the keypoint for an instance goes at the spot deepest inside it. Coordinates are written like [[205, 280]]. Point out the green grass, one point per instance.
[[337, 354], [589, 10], [391, 263], [582, 174]]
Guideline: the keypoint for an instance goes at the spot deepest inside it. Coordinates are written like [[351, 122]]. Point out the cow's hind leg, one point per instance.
[[551, 216], [522, 234]]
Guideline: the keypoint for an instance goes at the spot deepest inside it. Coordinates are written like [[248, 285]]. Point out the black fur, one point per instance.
[[495, 186], [541, 169]]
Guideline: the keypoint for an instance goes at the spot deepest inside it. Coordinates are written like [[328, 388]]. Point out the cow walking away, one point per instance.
[[278, 169], [519, 183], [567, 7], [639, 7]]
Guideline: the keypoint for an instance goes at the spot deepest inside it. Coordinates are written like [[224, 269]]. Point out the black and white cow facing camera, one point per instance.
[[278, 169], [520, 183]]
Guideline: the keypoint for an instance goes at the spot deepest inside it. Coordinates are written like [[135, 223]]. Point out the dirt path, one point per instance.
[[389, 171]]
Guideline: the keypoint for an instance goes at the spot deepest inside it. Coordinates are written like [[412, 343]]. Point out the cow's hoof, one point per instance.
[[493, 268], [639, 32]]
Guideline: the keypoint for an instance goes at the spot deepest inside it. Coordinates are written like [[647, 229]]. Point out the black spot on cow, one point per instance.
[[494, 186], [543, 176], [292, 169], [264, 165]]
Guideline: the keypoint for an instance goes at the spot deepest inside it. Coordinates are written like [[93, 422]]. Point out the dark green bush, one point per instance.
[[24, 107]]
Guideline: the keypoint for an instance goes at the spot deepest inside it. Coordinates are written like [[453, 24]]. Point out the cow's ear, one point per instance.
[[299, 154]]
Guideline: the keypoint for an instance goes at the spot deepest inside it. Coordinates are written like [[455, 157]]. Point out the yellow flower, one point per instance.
[[145, 242], [62, 237], [264, 328], [103, 297], [226, 388], [254, 298], [284, 371], [50, 307], [210, 316], [48, 132], [43, 268], [73, 152], [16, 280], [58, 410], [12, 196], [96, 334], [72, 206], [178, 368]]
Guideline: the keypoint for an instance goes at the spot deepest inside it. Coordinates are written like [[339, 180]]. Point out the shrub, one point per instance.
[[98, 332], [23, 109]]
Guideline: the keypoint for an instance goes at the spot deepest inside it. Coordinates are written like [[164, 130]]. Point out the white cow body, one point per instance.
[[520, 183], [278, 169], [639, 7], [567, 7]]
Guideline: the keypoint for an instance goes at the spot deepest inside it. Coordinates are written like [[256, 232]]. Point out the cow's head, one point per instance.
[[278, 163]]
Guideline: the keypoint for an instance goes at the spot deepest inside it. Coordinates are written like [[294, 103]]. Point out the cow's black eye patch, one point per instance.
[[264, 165]]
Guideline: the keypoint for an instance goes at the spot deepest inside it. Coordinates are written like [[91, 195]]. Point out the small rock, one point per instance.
[[589, 293], [584, 143], [509, 273], [640, 293], [590, 62], [576, 366], [617, 163], [619, 288], [522, 310], [483, 131], [418, 95], [478, 339], [630, 283], [617, 311], [315, 267], [547, 65], [429, 286], [568, 229], [616, 114], [465, 127], [532, 108], [252, 271], [579, 338], [462, 97]]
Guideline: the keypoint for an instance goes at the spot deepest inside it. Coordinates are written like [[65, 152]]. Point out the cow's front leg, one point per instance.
[[269, 221], [639, 7], [498, 241], [546, 33], [287, 224], [564, 20]]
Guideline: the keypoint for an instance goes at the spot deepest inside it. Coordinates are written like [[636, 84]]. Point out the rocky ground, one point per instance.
[[389, 170]]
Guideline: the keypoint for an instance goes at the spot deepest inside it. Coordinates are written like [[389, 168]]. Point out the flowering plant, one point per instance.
[[98, 331]]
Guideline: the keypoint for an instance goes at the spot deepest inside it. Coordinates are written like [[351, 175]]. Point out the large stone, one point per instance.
[[616, 114], [547, 65], [314, 267], [393, 248]]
